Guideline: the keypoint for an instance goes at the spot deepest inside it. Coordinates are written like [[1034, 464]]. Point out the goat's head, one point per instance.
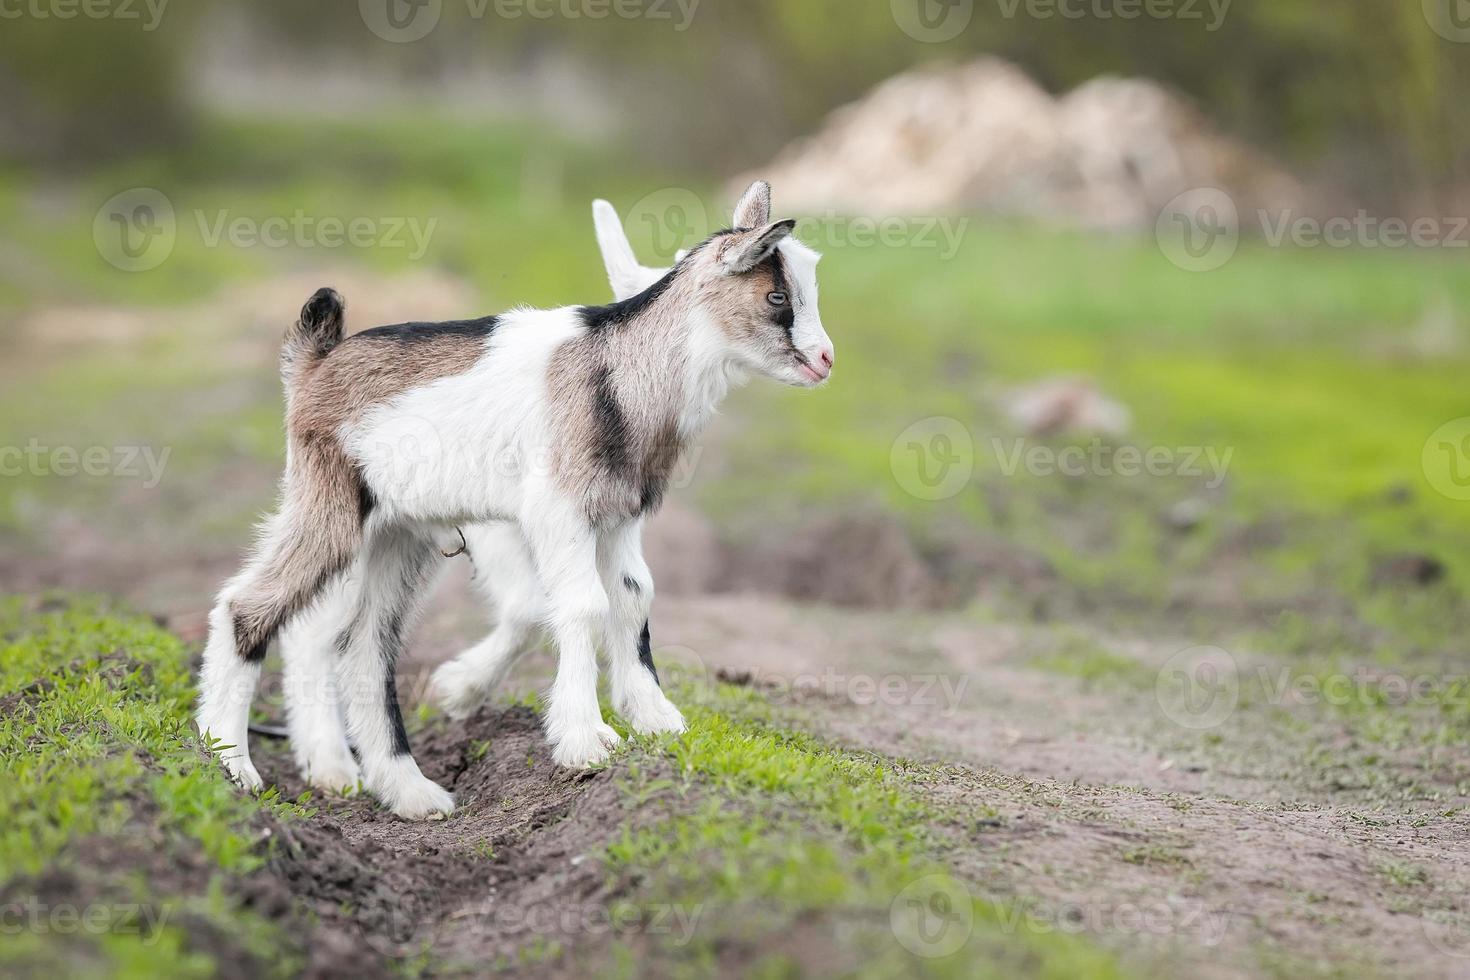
[[758, 285]]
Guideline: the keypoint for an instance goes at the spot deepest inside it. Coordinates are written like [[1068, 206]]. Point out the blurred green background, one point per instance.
[[1323, 372]]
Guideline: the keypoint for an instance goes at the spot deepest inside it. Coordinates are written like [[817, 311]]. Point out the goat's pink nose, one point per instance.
[[827, 358]]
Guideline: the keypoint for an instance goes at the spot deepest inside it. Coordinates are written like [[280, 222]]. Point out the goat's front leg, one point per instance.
[[564, 548], [636, 693]]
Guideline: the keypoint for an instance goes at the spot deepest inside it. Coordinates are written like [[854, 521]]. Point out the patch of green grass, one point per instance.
[[1079, 657], [791, 833], [1402, 874], [96, 746], [1156, 855]]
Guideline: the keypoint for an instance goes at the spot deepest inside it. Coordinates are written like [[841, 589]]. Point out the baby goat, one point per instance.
[[504, 575], [566, 423]]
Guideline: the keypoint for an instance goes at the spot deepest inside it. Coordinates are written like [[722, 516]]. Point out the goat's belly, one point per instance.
[[417, 470]]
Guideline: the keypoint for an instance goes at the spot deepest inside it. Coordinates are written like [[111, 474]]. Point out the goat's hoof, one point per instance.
[[454, 693], [655, 718], [586, 746], [338, 776], [419, 799], [243, 774]]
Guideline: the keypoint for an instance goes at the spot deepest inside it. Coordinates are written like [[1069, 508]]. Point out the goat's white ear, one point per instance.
[[754, 209], [749, 249]]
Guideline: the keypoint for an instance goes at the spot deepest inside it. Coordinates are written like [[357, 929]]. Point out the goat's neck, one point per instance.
[[673, 370]]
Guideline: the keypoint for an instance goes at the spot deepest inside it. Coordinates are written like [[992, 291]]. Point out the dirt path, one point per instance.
[[1090, 813]]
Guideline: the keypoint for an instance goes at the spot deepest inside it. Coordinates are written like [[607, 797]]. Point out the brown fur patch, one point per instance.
[[616, 397], [318, 530], [617, 392]]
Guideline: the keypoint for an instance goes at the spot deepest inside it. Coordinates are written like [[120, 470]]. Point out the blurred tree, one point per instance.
[[1362, 92], [77, 89]]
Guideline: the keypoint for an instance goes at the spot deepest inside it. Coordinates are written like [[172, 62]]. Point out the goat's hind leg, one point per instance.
[[313, 537], [565, 551], [295, 558], [397, 568], [314, 710], [507, 579]]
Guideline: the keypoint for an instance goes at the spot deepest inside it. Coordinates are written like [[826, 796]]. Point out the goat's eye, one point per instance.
[[777, 298]]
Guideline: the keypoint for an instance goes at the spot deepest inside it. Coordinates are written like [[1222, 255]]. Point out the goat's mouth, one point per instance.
[[813, 374]]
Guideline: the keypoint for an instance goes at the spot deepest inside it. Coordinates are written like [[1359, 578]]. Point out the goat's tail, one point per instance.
[[315, 333]]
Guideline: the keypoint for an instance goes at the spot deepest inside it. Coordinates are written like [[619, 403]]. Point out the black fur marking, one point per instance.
[[785, 316], [616, 314], [651, 496], [645, 653], [390, 636], [612, 426], [365, 500], [252, 654], [631, 585], [413, 333], [395, 715]]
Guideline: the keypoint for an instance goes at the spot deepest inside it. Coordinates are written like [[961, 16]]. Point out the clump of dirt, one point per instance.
[[517, 864], [986, 137]]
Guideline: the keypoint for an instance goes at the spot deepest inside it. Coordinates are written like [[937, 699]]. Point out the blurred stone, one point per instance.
[[1186, 515], [1408, 569], [1066, 405]]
